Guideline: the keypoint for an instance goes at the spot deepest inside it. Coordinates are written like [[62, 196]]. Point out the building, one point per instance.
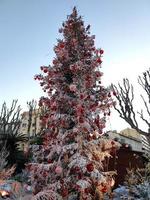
[[133, 134], [31, 124], [146, 144], [132, 138]]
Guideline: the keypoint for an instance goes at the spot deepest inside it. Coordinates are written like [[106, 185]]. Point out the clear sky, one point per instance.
[[28, 32]]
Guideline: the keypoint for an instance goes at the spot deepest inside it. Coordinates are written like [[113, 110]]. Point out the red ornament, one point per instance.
[[73, 87], [77, 169], [86, 190], [64, 192], [104, 189], [49, 161], [98, 74], [45, 174], [90, 167], [87, 84], [45, 70], [96, 51], [83, 96], [62, 45], [54, 62], [81, 120], [99, 61], [101, 51], [53, 106], [79, 110], [58, 170], [94, 137], [113, 143], [80, 176]]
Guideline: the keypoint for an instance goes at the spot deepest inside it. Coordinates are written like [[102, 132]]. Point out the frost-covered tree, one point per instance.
[[69, 164]]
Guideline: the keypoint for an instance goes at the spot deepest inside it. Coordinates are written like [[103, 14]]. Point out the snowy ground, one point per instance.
[[27, 197]]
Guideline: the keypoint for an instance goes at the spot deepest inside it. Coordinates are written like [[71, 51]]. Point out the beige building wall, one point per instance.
[[35, 127], [132, 133], [130, 136]]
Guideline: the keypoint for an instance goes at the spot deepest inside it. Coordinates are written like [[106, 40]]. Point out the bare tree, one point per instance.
[[10, 118], [10, 134], [124, 94]]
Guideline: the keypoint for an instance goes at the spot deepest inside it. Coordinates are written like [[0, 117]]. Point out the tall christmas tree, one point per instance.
[[69, 163]]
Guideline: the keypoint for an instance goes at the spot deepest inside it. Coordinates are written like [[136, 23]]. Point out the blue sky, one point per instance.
[[28, 32]]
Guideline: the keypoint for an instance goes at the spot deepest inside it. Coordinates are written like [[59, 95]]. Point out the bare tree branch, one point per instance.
[[143, 118], [144, 81], [10, 134], [10, 118], [125, 99]]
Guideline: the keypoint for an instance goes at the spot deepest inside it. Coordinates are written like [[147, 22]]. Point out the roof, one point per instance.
[[131, 133]]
